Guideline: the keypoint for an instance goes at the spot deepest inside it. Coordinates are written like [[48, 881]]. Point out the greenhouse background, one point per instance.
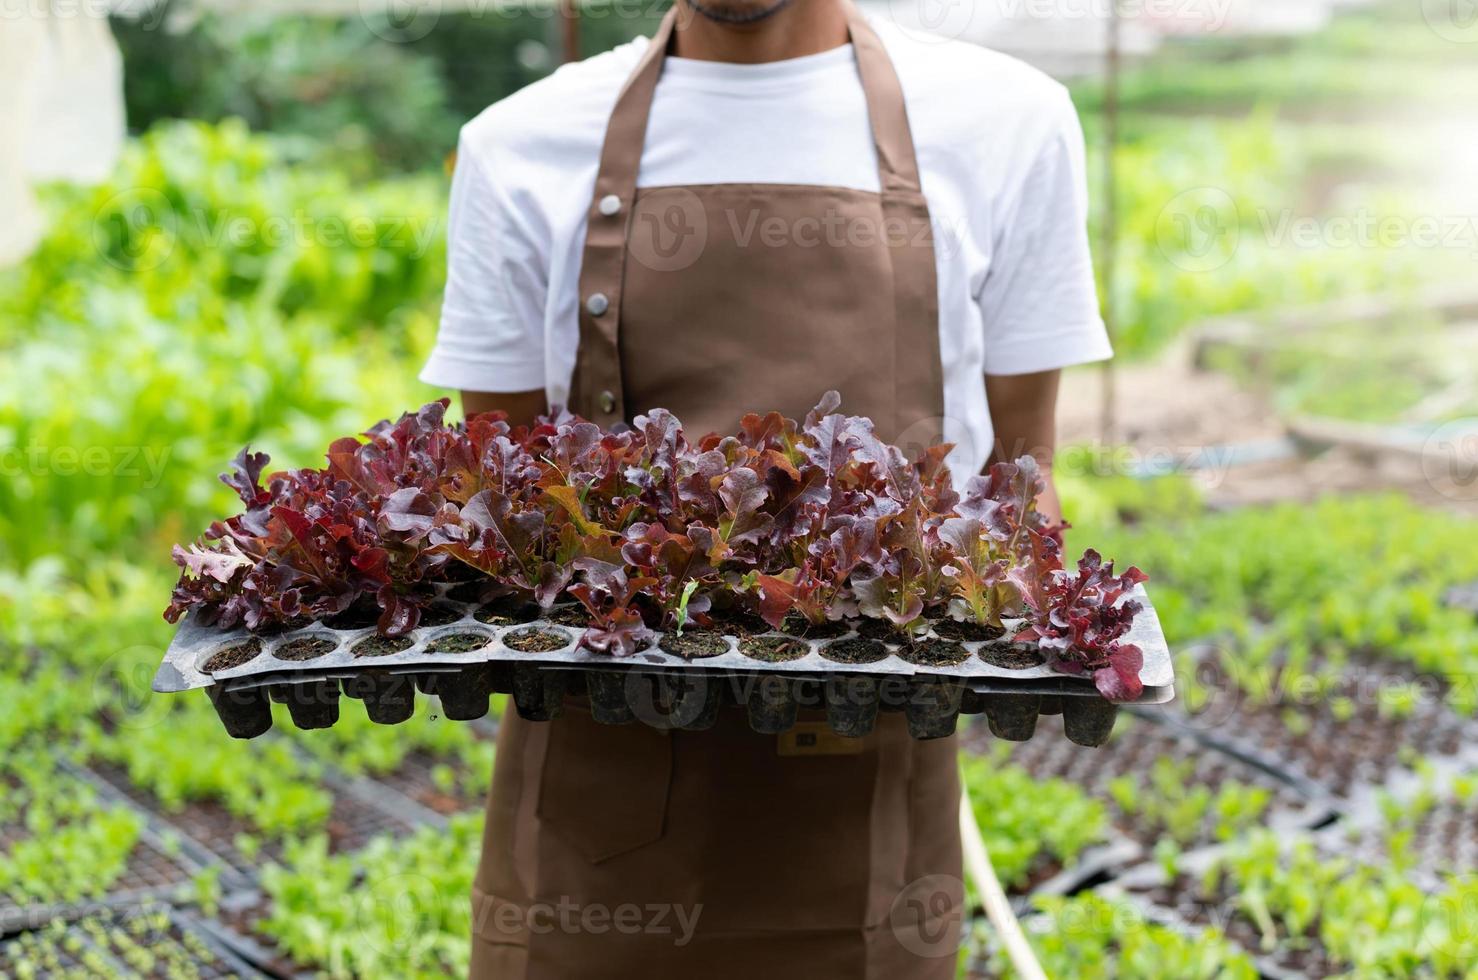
[[227, 227]]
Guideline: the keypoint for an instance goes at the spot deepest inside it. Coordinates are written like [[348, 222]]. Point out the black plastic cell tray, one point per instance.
[[654, 686]]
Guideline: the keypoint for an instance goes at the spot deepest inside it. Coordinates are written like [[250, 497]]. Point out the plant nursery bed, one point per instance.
[[150, 872], [1439, 841], [1161, 781], [413, 779], [138, 943], [236, 927], [1342, 753], [1182, 901], [350, 825]]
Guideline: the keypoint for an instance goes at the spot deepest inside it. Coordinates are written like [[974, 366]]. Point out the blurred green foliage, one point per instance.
[[369, 92]]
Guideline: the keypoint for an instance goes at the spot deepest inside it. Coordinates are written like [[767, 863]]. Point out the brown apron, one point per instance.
[[626, 851]]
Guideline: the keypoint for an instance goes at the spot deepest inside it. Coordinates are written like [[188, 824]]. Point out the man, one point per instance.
[[771, 199]]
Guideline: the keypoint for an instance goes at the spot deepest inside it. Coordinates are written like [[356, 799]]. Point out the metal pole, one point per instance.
[[1109, 245]]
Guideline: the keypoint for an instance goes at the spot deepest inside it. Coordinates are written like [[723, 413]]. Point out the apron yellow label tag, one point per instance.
[[817, 738]]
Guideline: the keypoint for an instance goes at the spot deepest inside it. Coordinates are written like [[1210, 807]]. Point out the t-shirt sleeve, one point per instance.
[[1039, 303], [491, 336]]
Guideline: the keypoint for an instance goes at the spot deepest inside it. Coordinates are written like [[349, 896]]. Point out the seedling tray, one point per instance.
[[208, 825], [1343, 755], [152, 942], [467, 652], [1133, 750]]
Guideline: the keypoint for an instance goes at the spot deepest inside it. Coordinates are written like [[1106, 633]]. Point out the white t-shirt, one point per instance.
[[1000, 153]]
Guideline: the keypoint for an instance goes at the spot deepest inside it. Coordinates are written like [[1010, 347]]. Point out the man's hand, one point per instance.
[[522, 406], [1023, 411]]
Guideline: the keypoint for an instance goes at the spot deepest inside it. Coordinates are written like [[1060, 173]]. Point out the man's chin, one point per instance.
[[737, 11]]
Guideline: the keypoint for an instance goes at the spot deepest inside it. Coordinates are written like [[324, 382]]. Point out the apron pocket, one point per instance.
[[604, 787]]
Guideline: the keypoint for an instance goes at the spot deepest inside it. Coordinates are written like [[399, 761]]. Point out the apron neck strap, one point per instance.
[[898, 168]]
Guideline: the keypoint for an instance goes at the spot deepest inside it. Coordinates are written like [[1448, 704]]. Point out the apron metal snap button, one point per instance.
[[607, 402], [610, 205], [597, 304]]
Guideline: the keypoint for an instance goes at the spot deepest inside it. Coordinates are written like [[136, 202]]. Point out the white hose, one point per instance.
[[993, 896]]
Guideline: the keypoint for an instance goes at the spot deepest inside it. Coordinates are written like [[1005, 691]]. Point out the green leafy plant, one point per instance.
[[395, 909], [1030, 823]]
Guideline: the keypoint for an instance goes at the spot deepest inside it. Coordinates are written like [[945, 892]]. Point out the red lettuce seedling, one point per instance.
[[650, 530], [1078, 620], [609, 595]]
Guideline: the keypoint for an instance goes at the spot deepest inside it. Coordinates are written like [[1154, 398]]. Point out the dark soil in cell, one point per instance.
[[740, 624], [382, 646], [464, 642], [441, 614], [1010, 656], [473, 592], [507, 612], [934, 653], [536, 640], [233, 656], [855, 651], [773, 649], [576, 616], [952, 629], [879, 629], [305, 648], [361, 615], [277, 629], [695, 644], [801, 626], [1307, 736]]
